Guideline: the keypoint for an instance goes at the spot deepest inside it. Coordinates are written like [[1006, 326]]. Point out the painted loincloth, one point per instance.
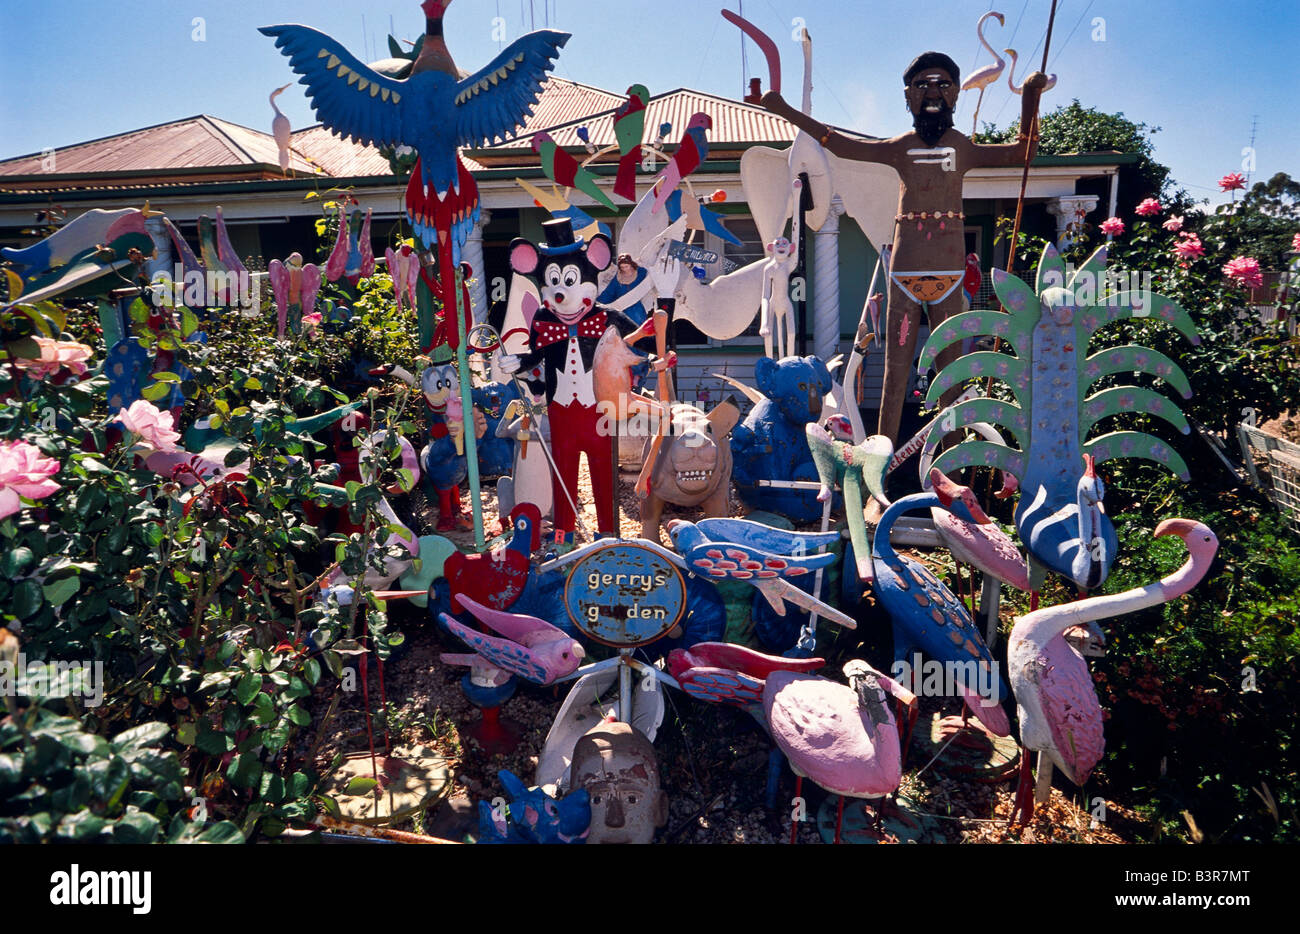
[[927, 288]]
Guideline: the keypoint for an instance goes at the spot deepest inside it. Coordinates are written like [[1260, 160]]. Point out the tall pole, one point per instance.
[[467, 404]]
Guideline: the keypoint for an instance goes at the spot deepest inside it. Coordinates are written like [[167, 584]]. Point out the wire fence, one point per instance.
[[1274, 464]]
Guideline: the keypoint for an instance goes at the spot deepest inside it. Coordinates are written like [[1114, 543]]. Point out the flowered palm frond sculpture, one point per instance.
[[1048, 328]]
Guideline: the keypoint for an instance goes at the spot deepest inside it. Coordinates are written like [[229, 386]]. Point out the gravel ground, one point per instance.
[[714, 759]]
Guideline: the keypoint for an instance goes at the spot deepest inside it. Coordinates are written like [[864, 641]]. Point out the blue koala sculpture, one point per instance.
[[533, 816], [770, 444], [496, 455]]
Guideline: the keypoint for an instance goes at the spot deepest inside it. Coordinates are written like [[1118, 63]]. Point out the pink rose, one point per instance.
[[1112, 227], [1245, 270], [1233, 181], [151, 426], [55, 355], [1174, 224], [310, 322], [24, 471], [1295, 243], [1189, 247], [1148, 208]]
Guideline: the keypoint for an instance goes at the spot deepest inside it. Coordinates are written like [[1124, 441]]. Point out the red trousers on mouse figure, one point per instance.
[[573, 432]]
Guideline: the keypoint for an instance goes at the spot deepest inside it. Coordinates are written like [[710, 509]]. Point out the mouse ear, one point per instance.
[[599, 251], [523, 256]]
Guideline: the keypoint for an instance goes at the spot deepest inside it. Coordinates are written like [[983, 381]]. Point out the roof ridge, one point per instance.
[[583, 84], [225, 137]]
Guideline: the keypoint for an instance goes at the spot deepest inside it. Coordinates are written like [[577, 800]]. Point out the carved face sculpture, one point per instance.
[[931, 97], [615, 764]]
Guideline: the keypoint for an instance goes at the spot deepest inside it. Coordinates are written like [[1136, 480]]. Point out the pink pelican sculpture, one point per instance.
[[844, 738], [281, 130], [1059, 713], [986, 546], [982, 77], [1011, 53]]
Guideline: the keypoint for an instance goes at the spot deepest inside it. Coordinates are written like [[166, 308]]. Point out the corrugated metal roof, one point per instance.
[[340, 158], [734, 123], [205, 148], [200, 142], [564, 101]]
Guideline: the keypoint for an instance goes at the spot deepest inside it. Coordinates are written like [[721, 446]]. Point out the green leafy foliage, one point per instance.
[[1200, 694], [196, 597]]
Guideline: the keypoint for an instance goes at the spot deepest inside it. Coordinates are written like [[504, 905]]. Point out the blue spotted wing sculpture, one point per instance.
[[1048, 328]]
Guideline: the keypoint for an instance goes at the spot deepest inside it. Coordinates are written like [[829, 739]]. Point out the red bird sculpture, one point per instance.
[[691, 153], [629, 128], [495, 578]]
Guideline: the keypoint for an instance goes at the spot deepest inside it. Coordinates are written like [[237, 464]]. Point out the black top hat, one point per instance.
[[560, 238]]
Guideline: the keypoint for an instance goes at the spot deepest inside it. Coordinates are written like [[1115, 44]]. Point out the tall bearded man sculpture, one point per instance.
[[929, 251]]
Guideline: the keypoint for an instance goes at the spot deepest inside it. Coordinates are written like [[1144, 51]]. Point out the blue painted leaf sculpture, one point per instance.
[[1048, 328]]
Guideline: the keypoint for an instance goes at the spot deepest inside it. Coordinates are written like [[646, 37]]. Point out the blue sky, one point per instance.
[[74, 70]]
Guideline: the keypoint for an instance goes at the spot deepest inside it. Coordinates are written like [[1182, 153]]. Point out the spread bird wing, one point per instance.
[[747, 661], [493, 101], [517, 626], [338, 258], [764, 538], [507, 655], [349, 97], [225, 249], [310, 287], [188, 260], [279, 277], [721, 686]]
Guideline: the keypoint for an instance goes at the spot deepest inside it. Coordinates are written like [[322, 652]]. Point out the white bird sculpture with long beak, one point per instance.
[[981, 78], [1011, 53], [281, 130], [1056, 703]]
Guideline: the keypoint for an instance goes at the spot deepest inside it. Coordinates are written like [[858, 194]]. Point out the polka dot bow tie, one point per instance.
[[550, 332]]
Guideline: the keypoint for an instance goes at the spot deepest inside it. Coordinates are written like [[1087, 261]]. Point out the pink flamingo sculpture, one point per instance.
[[1059, 713], [982, 77], [1011, 53]]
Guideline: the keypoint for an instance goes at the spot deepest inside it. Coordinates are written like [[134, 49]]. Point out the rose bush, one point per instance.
[[199, 601]]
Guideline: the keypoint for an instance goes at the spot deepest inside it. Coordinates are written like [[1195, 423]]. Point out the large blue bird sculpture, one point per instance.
[[434, 110], [927, 617]]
